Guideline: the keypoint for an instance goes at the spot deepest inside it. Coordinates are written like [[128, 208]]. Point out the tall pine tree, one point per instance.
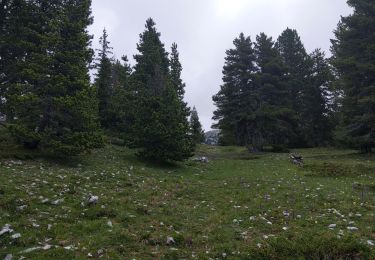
[[196, 127], [53, 105], [161, 128], [354, 60], [236, 100], [315, 114], [103, 81], [275, 117]]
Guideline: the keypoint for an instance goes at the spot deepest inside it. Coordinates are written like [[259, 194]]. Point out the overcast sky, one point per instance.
[[204, 29]]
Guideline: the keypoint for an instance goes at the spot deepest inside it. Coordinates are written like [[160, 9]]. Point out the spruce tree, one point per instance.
[[161, 129], [196, 127], [297, 63], [54, 106], [103, 81], [236, 101], [274, 116], [354, 59], [121, 106], [316, 118]]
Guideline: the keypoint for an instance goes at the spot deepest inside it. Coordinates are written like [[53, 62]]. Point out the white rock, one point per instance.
[[170, 241], [252, 218], [15, 236], [332, 226], [46, 247], [93, 200], [8, 257], [30, 249], [352, 228], [371, 242], [6, 229], [285, 228], [20, 208], [109, 223], [57, 202]]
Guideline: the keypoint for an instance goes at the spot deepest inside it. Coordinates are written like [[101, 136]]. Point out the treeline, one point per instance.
[[50, 104], [275, 94]]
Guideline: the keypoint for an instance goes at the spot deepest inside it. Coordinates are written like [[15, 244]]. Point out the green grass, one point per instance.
[[213, 210]]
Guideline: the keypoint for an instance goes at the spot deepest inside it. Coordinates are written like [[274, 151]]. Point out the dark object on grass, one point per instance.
[[296, 159]]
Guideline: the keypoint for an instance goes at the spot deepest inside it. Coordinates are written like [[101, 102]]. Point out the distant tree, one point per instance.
[[196, 127], [121, 104], [53, 105], [176, 69], [315, 113], [303, 88], [161, 129], [354, 59], [236, 101], [103, 80], [274, 116]]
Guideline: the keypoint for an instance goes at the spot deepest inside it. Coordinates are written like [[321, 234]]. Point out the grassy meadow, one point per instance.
[[237, 206]]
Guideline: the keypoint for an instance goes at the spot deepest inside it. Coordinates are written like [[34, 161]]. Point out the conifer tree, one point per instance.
[[196, 127], [176, 70], [236, 100], [103, 81], [161, 129], [121, 105], [298, 64], [354, 59], [54, 106], [274, 116], [315, 123]]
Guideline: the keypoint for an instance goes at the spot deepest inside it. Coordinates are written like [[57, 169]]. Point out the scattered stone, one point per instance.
[[21, 208], [100, 252], [47, 247], [93, 200], [285, 228], [332, 226], [371, 242], [57, 202], [201, 159], [6, 229], [352, 228], [109, 223], [30, 250], [8, 257], [15, 236], [170, 241]]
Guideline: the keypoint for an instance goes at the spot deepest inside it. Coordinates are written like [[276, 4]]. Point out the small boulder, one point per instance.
[[170, 241]]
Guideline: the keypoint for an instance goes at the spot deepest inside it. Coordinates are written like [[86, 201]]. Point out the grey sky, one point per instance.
[[204, 29]]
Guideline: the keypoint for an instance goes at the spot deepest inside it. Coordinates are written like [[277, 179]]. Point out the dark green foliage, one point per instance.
[[103, 81], [354, 59], [274, 94], [120, 110], [296, 62], [196, 127], [316, 116], [235, 101], [161, 129], [176, 69], [275, 117], [49, 99]]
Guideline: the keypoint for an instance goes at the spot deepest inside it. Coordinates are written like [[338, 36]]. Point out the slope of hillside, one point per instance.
[[110, 204]]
